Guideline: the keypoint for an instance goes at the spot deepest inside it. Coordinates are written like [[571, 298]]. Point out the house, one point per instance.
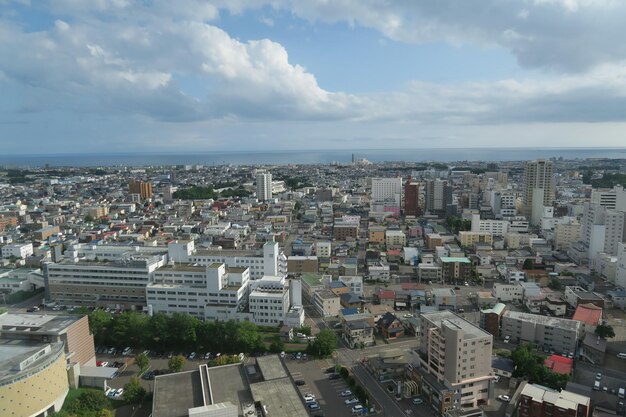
[[502, 366], [358, 330], [390, 326], [351, 300], [589, 315], [560, 364], [386, 297]]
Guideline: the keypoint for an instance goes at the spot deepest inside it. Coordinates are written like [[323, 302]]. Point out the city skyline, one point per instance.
[[126, 76]]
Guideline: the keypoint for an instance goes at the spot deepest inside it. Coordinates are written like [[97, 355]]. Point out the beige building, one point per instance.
[[326, 302], [471, 238], [300, 264], [456, 355], [33, 378], [395, 238], [560, 335], [376, 234], [566, 234]]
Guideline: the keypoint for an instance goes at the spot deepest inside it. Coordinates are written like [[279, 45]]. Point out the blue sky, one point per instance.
[[193, 75]]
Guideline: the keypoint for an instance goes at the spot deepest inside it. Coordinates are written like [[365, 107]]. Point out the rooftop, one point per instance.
[[271, 367], [588, 314], [182, 268], [543, 320], [449, 319], [38, 322], [22, 356], [280, 398], [447, 259], [175, 394]]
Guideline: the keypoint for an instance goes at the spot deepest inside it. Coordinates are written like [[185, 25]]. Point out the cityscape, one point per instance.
[[394, 289], [312, 208]]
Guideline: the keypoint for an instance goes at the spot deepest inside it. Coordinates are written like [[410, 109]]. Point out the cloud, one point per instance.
[[562, 35]]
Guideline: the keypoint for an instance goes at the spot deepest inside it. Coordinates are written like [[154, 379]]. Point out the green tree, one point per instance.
[[130, 328], [605, 331], [555, 284], [247, 336], [87, 403], [304, 330], [277, 345], [182, 329], [528, 264], [176, 363], [134, 393], [324, 344], [89, 219], [99, 321], [142, 361]]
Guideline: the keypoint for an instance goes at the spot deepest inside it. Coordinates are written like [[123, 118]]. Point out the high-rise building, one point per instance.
[[386, 195], [438, 196], [614, 198], [603, 230], [411, 198], [456, 356], [144, 189], [263, 185], [538, 189]]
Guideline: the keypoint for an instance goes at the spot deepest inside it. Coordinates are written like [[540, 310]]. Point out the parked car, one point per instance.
[[598, 376], [357, 409], [507, 339], [417, 401], [309, 397], [192, 355], [346, 393], [504, 398], [351, 401], [119, 392], [127, 351], [298, 356], [313, 406], [300, 382], [621, 355], [334, 376]]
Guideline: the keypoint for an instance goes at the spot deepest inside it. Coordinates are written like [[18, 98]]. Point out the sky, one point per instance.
[[85, 76]]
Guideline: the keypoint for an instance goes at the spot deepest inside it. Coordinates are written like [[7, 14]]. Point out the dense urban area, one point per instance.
[[393, 289]]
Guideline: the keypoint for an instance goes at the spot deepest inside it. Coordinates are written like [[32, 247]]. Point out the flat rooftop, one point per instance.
[[226, 253], [229, 384], [182, 268], [175, 394], [280, 397], [544, 320], [271, 367], [448, 318], [37, 322], [15, 351]]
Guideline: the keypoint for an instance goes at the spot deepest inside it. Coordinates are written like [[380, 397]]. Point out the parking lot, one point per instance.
[[327, 392]]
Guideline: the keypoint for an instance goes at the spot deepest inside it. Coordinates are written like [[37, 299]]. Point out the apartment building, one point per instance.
[[551, 333], [263, 185], [602, 231], [491, 318], [457, 269], [537, 187], [143, 189], [326, 302], [565, 234], [376, 234], [323, 249], [539, 401], [411, 198], [395, 239], [386, 195], [455, 358], [354, 284], [468, 238], [345, 231], [614, 199], [116, 284], [358, 329], [438, 194], [508, 292], [17, 250]]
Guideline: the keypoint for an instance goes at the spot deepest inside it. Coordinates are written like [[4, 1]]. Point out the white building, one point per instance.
[[207, 292], [603, 230], [385, 189], [495, 227], [269, 300], [323, 249], [395, 238], [560, 335], [614, 199], [508, 292], [263, 185], [270, 261], [18, 250], [379, 273], [620, 274], [355, 283]]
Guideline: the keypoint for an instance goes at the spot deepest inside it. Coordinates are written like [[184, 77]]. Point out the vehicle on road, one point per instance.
[[504, 398], [309, 397], [417, 401], [298, 356], [192, 355], [351, 401]]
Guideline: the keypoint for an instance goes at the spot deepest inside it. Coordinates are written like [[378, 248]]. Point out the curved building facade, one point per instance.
[[33, 378]]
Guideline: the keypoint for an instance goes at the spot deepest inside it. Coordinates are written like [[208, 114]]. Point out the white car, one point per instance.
[[346, 393], [309, 397], [127, 351], [417, 401], [350, 401], [497, 378], [598, 376], [357, 409], [505, 398], [621, 355], [507, 339]]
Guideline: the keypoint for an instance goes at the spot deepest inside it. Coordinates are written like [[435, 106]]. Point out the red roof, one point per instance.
[[393, 252], [559, 364], [386, 295], [588, 314]]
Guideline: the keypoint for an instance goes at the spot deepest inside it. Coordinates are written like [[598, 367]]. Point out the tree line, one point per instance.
[[176, 332]]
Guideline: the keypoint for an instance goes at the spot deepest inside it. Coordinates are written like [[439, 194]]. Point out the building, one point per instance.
[[263, 185], [386, 196], [468, 238], [270, 260], [411, 198], [539, 401], [269, 300], [323, 249], [300, 264], [143, 189], [229, 391], [589, 316], [614, 199], [438, 195], [491, 318], [358, 329], [593, 349], [354, 283], [565, 234], [537, 189], [508, 292], [602, 231], [455, 358], [17, 250], [620, 273], [390, 326], [548, 333], [577, 295], [395, 239], [376, 234], [379, 273], [443, 298], [211, 292], [326, 303], [456, 269], [115, 284]]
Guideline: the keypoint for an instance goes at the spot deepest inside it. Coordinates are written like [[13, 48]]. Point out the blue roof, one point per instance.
[[502, 363], [349, 311], [616, 293], [337, 284], [350, 298]]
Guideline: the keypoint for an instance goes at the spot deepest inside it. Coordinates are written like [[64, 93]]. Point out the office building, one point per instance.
[[143, 189], [455, 358], [269, 300], [602, 231], [114, 284], [537, 189], [17, 250], [386, 196], [614, 199], [551, 333], [438, 195], [263, 185]]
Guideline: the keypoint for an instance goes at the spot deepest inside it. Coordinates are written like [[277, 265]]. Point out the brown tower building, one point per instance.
[[411, 198], [144, 189]]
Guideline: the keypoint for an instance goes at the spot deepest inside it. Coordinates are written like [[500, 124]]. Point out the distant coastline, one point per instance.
[[306, 156]]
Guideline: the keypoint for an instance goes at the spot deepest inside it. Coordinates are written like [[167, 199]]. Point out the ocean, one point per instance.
[[306, 157]]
